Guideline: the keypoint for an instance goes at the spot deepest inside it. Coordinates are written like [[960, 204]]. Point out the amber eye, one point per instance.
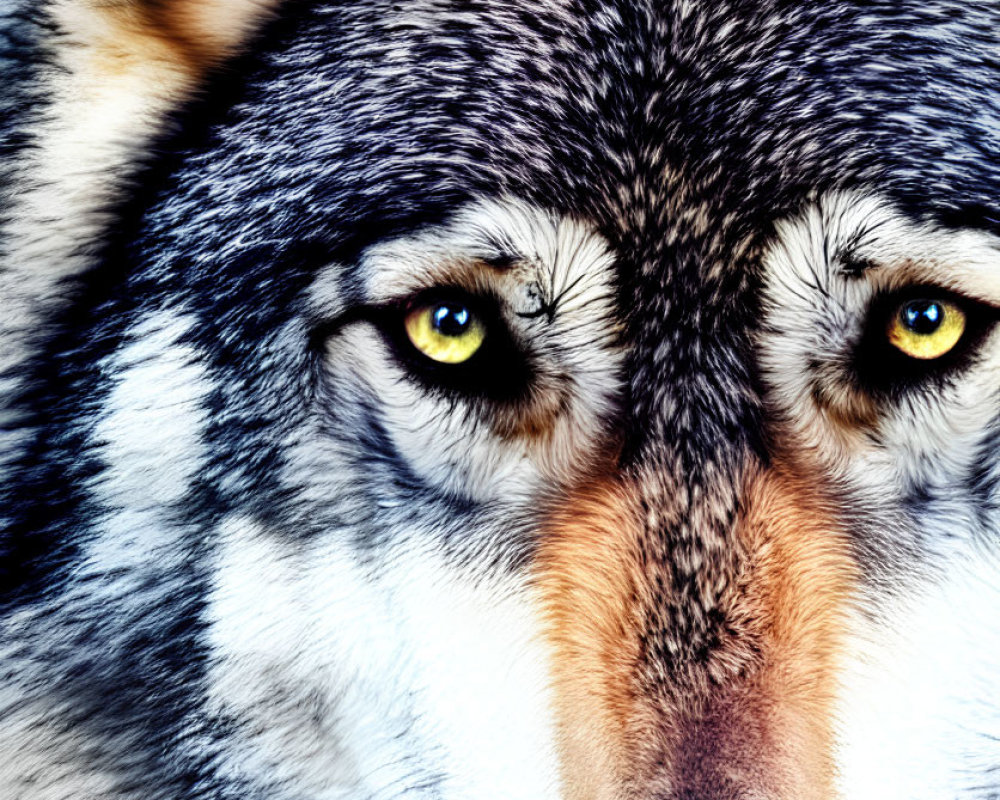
[[926, 329], [446, 332]]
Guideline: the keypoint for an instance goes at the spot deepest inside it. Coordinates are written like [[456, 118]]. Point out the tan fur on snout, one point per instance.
[[766, 727], [801, 578], [589, 583]]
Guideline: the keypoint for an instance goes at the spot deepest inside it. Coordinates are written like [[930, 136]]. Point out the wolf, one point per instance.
[[478, 400]]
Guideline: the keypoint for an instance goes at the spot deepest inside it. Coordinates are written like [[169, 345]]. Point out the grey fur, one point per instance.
[[242, 270]]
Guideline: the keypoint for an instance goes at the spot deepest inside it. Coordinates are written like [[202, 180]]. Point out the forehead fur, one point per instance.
[[387, 118]]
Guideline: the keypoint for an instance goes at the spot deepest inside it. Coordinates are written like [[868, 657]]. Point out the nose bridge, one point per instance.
[[695, 635]]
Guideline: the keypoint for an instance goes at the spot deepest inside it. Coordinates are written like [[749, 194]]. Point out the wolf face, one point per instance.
[[570, 400]]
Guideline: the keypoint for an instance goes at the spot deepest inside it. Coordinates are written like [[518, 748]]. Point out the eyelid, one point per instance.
[[889, 301]]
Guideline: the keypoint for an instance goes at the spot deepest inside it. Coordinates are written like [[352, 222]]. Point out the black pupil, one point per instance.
[[450, 320], [922, 316]]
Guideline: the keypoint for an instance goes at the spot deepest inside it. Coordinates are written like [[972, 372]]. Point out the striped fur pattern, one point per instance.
[[686, 528]]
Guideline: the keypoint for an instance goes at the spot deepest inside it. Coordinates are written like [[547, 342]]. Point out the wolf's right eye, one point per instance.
[[449, 339], [446, 332]]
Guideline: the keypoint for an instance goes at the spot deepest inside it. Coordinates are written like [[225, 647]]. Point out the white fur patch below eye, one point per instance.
[[151, 441], [347, 679]]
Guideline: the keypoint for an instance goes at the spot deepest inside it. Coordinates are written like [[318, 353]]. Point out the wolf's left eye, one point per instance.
[[920, 333], [925, 328], [446, 332]]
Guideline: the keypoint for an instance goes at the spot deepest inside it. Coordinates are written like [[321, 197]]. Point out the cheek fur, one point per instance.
[[764, 723], [113, 73]]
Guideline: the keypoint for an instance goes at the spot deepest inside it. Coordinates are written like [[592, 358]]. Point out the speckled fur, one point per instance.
[[684, 537]]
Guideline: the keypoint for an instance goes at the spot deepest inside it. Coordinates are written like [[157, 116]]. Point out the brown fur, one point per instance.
[[184, 36], [801, 577], [590, 582], [753, 716]]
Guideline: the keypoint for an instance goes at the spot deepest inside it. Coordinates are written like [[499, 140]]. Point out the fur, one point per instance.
[[686, 528]]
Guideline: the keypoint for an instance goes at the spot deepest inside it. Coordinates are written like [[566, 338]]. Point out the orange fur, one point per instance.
[[182, 37], [802, 577], [589, 584], [757, 711], [207, 31]]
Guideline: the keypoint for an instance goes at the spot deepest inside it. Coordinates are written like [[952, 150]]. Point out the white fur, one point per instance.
[[920, 714], [152, 440], [356, 679]]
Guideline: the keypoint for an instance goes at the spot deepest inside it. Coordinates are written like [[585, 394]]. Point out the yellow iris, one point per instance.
[[445, 332], [926, 329]]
